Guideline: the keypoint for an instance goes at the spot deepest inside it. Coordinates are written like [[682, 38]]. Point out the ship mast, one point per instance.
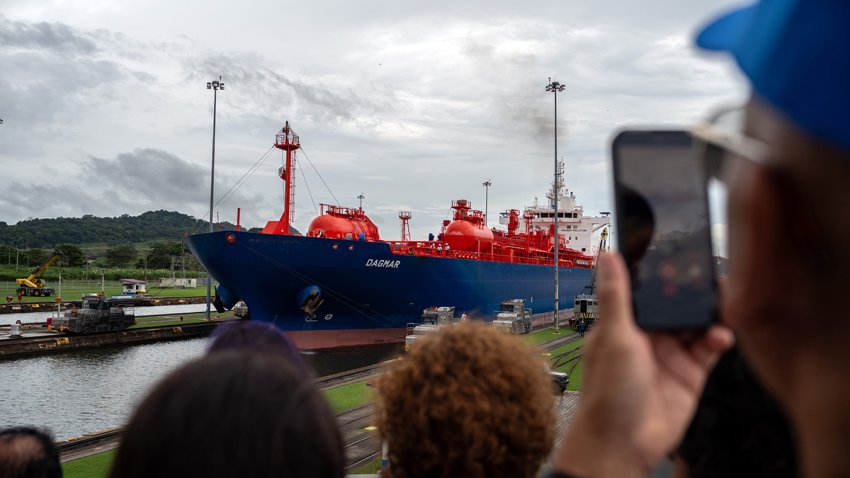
[[287, 141], [405, 225]]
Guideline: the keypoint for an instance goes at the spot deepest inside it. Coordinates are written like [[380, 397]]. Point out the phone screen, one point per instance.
[[663, 229]]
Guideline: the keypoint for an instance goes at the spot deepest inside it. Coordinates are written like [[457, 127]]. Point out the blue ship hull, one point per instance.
[[369, 293]]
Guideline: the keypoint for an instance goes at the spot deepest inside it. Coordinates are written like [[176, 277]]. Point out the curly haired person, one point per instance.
[[466, 401]]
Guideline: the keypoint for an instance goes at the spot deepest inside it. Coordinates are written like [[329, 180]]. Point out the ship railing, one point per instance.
[[521, 254], [341, 211], [420, 248]]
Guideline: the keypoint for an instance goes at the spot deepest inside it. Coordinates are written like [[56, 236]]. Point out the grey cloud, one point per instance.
[[264, 91], [132, 182], [68, 200], [51, 36], [39, 88], [459, 98], [151, 178], [55, 69], [150, 174]]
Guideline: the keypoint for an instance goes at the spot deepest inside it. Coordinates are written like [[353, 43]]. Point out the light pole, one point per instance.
[[486, 185], [214, 85], [555, 87], [361, 197], [146, 263]]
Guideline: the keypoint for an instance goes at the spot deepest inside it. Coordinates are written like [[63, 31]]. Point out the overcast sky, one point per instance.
[[412, 105]]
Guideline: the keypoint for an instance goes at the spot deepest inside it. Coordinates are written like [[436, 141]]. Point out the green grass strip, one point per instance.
[[154, 292], [174, 319], [575, 378], [348, 397], [576, 374], [369, 468], [546, 335], [94, 466]]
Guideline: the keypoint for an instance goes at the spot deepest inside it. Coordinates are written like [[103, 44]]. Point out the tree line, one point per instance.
[[125, 229], [156, 255], [150, 241]]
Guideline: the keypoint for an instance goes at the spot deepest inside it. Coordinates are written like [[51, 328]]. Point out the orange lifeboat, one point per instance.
[[467, 232]]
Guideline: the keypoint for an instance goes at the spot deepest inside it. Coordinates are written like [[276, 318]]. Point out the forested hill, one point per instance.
[[149, 226]]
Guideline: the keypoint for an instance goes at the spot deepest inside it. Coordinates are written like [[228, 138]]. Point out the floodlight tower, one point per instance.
[[214, 85], [555, 87]]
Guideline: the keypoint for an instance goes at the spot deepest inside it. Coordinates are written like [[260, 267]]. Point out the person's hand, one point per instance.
[[639, 390]]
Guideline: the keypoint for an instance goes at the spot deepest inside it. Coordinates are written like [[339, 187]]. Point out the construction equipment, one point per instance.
[[33, 284], [586, 304]]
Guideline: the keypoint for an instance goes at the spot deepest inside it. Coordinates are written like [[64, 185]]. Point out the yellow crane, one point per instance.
[[34, 284]]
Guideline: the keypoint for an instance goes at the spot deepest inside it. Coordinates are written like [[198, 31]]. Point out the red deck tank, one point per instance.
[[343, 223], [467, 232]]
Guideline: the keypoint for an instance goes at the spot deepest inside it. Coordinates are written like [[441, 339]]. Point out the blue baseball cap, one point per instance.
[[796, 54]]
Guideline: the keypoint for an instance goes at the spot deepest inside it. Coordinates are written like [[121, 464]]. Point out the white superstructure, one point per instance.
[[580, 232]]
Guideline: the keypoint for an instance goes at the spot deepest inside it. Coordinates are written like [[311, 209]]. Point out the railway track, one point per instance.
[[349, 376]]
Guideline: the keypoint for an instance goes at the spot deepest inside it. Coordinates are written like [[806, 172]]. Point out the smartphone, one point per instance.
[[664, 229]]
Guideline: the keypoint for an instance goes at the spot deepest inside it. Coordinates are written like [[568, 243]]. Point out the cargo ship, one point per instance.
[[339, 284]]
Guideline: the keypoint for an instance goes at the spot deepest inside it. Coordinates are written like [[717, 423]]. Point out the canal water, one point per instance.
[[86, 391]]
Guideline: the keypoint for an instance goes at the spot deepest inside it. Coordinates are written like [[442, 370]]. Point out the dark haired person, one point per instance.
[[261, 337], [468, 401], [27, 452], [233, 414], [788, 173]]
